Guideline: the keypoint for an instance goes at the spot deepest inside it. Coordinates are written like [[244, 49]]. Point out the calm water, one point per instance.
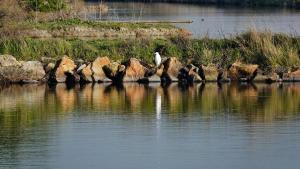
[[208, 20], [136, 126]]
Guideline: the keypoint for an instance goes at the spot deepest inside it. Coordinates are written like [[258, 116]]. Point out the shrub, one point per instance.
[[46, 5]]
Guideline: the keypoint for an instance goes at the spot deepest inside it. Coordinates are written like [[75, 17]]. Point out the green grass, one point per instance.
[[28, 49], [12, 28], [269, 51], [45, 5], [65, 23]]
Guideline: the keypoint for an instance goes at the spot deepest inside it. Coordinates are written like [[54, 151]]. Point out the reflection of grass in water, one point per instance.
[[283, 102]]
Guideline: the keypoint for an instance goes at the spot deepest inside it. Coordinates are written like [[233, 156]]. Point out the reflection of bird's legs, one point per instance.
[[158, 112]]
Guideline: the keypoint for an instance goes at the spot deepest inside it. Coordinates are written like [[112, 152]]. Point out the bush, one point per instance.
[[46, 5], [10, 10]]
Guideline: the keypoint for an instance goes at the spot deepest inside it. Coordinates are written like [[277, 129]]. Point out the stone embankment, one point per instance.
[[65, 70]]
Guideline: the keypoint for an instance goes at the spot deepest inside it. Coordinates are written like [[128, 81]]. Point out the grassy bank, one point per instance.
[[270, 51], [65, 23], [63, 26]]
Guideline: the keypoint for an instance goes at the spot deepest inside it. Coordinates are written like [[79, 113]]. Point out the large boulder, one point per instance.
[[135, 71], [93, 72], [171, 69], [242, 72], [268, 77], [8, 60], [114, 71], [189, 74], [10, 69], [211, 73], [64, 71], [152, 78], [11, 74], [154, 74], [295, 75], [97, 69], [292, 76], [13, 71], [34, 71]]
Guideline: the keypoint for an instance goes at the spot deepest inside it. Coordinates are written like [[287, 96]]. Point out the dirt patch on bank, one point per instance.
[[86, 32]]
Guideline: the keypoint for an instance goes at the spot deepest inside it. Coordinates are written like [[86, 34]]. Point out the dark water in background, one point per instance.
[[212, 21], [136, 126]]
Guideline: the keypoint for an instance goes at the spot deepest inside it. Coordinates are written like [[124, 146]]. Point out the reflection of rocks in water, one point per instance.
[[254, 103], [238, 91], [242, 98], [154, 87], [22, 109], [86, 93], [14, 96], [95, 96], [210, 99], [185, 86], [100, 97], [66, 98], [135, 94], [283, 102], [263, 103], [108, 97], [173, 98]]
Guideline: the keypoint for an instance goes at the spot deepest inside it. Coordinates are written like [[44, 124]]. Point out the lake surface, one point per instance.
[[212, 21], [149, 126]]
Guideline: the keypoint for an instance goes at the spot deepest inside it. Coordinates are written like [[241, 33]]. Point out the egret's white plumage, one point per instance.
[[157, 59]]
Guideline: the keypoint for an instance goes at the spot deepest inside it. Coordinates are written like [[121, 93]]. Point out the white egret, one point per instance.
[[157, 59]]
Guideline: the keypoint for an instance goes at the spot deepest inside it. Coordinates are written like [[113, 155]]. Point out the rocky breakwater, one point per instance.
[[102, 69]]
